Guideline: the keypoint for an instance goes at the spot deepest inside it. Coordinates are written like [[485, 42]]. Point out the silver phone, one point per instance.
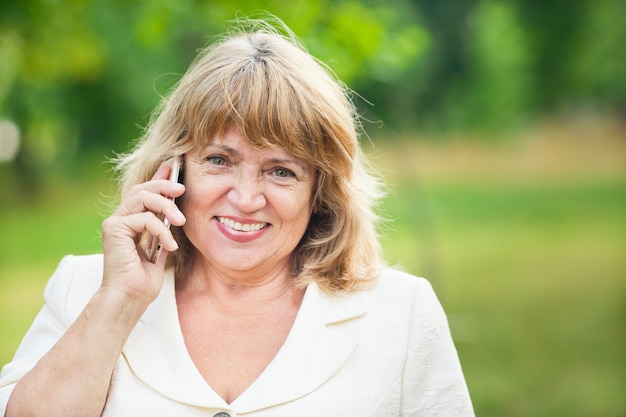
[[154, 246]]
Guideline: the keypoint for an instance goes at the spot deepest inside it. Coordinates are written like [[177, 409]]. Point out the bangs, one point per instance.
[[262, 105], [269, 100]]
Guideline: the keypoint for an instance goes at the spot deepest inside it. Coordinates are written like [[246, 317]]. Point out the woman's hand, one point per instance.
[[73, 378], [126, 264]]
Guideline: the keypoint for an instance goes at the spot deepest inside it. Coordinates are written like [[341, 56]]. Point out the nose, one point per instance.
[[247, 193]]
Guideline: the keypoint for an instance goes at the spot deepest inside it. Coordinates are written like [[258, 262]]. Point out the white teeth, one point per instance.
[[247, 227]]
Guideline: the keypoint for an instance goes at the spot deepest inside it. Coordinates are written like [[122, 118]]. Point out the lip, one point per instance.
[[240, 236]]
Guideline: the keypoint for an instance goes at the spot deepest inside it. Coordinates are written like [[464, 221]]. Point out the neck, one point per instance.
[[238, 292]]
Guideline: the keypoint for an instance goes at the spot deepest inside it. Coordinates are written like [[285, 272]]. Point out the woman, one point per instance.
[[270, 297]]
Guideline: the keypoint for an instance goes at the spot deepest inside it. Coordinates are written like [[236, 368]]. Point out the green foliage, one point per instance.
[[496, 65], [83, 76], [97, 68], [600, 61], [499, 88]]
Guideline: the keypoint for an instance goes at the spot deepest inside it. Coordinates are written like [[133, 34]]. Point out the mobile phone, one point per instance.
[[154, 246]]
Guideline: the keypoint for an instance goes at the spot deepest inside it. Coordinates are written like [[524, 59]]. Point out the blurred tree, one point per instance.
[[443, 71], [499, 63], [79, 76], [578, 48], [499, 89]]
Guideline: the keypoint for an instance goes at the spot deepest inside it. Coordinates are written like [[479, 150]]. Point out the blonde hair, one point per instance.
[[261, 81]]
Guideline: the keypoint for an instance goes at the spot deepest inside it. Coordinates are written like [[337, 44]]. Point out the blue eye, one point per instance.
[[283, 173]]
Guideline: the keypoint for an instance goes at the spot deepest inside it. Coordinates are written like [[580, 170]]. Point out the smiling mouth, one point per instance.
[[241, 227]]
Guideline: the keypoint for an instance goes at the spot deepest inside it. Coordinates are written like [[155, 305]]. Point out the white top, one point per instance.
[[386, 351]]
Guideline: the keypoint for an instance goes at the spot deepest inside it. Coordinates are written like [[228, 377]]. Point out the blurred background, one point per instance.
[[500, 127]]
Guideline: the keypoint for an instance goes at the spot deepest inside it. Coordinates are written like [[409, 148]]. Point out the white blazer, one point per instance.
[[386, 351]]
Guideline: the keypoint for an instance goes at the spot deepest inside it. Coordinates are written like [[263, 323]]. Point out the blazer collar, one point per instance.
[[311, 354]]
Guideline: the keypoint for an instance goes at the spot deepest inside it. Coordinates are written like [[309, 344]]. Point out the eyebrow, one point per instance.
[[225, 148], [233, 151], [297, 162]]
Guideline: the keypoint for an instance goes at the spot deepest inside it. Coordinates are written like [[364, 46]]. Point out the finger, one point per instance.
[[156, 198], [125, 230], [165, 188], [163, 172]]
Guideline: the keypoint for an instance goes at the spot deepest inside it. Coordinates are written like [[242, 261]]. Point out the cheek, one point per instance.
[[186, 199], [296, 208], [197, 198]]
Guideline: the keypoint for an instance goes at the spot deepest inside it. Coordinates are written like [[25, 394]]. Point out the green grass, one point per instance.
[[35, 234], [533, 278], [530, 268]]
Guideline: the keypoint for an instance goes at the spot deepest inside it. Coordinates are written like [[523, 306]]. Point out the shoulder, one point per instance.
[[79, 272], [406, 298], [394, 295], [73, 283], [395, 284], [396, 278]]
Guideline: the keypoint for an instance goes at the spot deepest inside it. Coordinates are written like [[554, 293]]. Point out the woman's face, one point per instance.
[[246, 208]]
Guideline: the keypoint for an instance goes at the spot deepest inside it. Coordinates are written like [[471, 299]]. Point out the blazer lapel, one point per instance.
[[311, 354], [157, 354]]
